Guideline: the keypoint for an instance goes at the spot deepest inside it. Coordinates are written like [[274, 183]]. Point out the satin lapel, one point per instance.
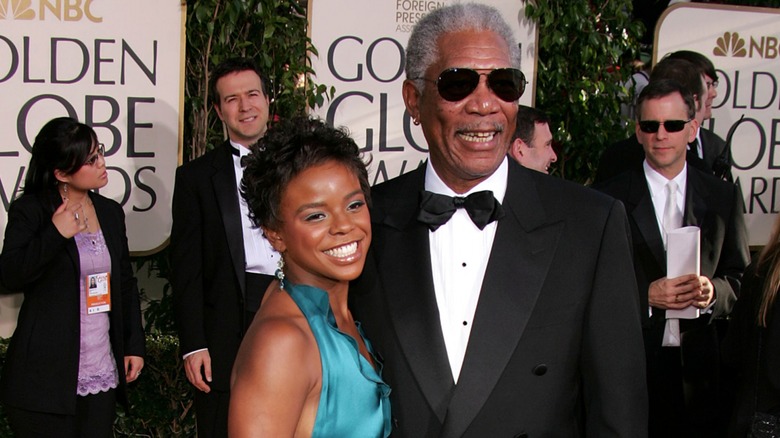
[[520, 259], [226, 193], [405, 272], [641, 210], [696, 194]]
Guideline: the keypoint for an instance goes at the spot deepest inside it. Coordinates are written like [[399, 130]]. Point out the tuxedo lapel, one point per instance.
[[695, 200], [226, 193], [406, 269], [523, 249], [643, 213]]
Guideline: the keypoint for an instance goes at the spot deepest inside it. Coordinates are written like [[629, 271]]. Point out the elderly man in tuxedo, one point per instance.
[[516, 315], [664, 194]]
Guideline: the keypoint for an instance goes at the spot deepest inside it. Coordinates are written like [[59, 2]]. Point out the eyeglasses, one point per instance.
[[100, 152], [455, 84], [651, 126], [713, 84]]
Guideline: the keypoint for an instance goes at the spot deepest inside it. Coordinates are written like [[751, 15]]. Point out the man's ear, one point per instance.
[[515, 150], [219, 111], [697, 102], [275, 239], [693, 131], [411, 99]]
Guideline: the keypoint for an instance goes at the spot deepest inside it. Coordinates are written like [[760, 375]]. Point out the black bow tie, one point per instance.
[[436, 209], [243, 161]]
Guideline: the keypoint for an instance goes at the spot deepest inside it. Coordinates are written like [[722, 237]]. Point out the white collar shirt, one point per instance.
[[260, 256], [459, 258]]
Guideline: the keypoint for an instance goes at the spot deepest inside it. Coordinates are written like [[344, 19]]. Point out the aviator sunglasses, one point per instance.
[[651, 126], [454, 84]]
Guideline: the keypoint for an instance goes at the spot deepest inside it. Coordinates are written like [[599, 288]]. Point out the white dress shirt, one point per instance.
[[459, 257], [656, 183], [260, 256]]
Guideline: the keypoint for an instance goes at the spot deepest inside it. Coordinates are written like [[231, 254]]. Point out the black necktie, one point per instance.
[[436, 209]]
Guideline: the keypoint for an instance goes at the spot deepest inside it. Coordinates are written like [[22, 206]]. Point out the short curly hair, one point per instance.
[[289, 147]]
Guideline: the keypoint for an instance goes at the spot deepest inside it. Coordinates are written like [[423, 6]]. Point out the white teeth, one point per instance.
[[343, 251], [480, 137]]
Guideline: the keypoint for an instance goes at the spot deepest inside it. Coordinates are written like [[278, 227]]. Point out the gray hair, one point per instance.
[[422, 50]]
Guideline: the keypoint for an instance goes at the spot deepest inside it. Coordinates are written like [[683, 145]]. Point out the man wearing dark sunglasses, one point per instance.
[[501, 300], [665, 194], [707, 152], [711, 147]]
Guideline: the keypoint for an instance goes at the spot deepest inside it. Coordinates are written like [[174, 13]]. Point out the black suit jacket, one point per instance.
[[555, 348], [41, 366], [208, 262], [628, 154], [713, 205]]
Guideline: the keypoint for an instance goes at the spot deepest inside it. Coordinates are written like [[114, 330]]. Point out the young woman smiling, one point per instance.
[[304, 367]]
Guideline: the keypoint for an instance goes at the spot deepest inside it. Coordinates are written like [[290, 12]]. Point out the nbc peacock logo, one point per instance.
[[16, 10], [730, 44]]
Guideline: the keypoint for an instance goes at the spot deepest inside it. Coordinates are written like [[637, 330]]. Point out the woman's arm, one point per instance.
[[276, 373]]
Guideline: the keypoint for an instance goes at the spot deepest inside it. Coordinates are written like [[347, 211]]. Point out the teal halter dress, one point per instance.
[[354, 401]]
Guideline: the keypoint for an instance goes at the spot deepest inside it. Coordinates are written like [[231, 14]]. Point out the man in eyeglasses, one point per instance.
[[532, 146], [502, 301], [664, 194], [708, 152], [710, 147]]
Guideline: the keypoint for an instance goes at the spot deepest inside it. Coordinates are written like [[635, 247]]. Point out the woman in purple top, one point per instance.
[[78, 339]]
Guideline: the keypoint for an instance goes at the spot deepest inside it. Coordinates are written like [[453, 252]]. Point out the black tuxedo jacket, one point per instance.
[[555, 348], [628, 154], [41, 366], [713, 205], [208, 262]]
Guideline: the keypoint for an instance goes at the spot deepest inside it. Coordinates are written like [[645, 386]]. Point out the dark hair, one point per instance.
[[701, 62], [527, 118], [62, 144], [289, 147], [684, 73], [230, 66], [662, 88]]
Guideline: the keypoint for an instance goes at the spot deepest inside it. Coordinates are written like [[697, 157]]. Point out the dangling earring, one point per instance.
[[280, 270], [64, 191]]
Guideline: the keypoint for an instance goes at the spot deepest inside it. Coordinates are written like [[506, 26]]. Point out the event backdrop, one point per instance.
[[116, 65], [361, 53], [744, 45], [113, 64]]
